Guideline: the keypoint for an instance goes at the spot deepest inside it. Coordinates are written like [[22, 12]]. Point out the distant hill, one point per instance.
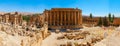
[[2, 12], [23, 13]]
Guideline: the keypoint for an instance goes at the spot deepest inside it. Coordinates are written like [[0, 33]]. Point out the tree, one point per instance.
[[90, 15], [110, 19], [26, 18], [100, 22], [113, 18], [105, 21]]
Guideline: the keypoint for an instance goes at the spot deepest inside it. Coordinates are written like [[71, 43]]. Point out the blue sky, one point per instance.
[[96, 7]]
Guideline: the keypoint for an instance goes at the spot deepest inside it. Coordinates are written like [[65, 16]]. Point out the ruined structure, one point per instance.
[[20, 35], [90, 21], [14, 18], [116, 22], [37, 20], [63, 18], [95, 20]]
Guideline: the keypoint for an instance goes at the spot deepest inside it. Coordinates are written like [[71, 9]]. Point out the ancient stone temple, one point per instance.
[[14, 18], [63, 18]]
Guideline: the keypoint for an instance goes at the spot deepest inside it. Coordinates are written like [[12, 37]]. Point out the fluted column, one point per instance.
[[53, 18], [69, 18], [72, 18], [61, 17], [49, 18], [57, 18], [78, 18], [64, 17], [75, 17]]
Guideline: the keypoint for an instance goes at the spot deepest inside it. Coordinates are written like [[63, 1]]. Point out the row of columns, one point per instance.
[[64, 18], [16, 19]]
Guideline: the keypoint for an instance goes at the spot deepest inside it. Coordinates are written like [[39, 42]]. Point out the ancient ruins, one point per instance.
[[17, 32], [63, 18], [32, 30]]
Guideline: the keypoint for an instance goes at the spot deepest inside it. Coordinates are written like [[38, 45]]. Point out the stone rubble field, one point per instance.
[[88, 36], [18, 36]]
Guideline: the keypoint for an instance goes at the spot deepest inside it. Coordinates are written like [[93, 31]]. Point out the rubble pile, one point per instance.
[[18, 36], [85, 37]]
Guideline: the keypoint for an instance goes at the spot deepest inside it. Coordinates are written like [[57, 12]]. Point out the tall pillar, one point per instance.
[[75, 16], [46, 15], [49, 18], [61, 17], [78, 18], [72, 17], [64, 17], [80, 15], [53, 17], [57, 18], [69, 18]]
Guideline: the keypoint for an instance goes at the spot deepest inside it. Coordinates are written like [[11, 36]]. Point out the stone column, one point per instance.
[[78, 18], [53, 17], [64, 17], [15, 21], [69, 18], [61, 17], [46, 16], [49, 19], [80, 15], [57, 18], [72, 17], [75, 17], [7, 18]]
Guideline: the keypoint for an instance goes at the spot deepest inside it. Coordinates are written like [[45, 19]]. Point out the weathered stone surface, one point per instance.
[[63, 18]]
